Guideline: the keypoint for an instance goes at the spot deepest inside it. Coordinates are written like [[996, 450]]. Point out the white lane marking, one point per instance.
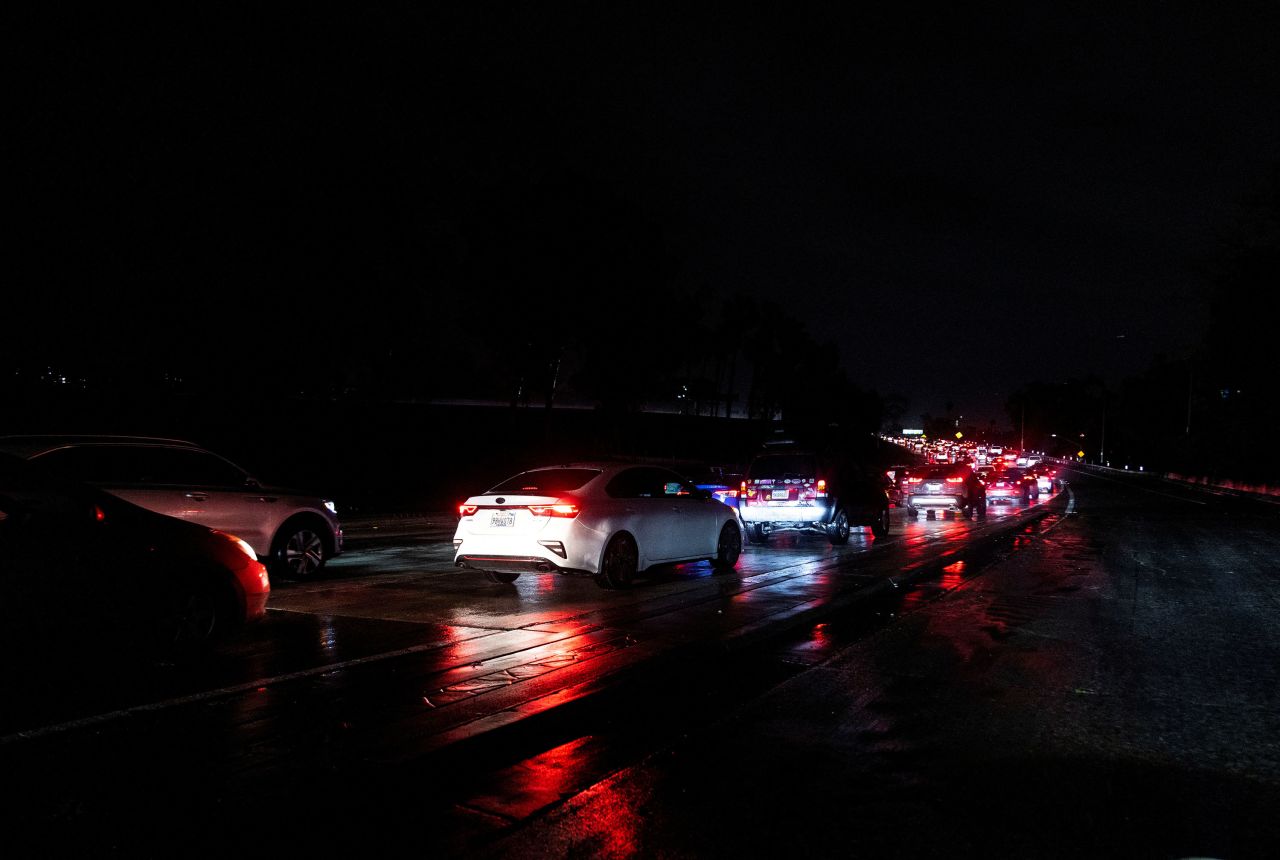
[[97, 719]]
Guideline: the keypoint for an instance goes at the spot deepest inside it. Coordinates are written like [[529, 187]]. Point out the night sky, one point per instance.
[[961, 204]]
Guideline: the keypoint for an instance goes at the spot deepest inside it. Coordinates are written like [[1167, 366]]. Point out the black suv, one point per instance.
[[954, 489], [786, 489]]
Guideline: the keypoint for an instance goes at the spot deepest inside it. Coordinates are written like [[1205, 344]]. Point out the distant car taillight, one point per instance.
[[562, 508], [955, 480]]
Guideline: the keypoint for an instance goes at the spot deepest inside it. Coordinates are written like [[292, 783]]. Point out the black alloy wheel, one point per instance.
[[298, 553], [728, 548], [838, 531], [880, 528], [189, 618], [618, 567]]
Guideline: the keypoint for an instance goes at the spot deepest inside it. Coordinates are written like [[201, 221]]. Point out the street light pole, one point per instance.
[[1189, 390], [1102, 447]]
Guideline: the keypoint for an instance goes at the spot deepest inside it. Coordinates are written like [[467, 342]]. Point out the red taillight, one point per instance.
[[466, 510], [98, 514], [914, 480], [955, 480], [822, 485], [561, 508]]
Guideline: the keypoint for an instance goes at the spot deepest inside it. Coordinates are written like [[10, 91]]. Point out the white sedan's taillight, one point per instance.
[[561, 508]]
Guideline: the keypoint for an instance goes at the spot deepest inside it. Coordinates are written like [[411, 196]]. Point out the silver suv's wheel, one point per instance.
[[838, 531], [298, 552]]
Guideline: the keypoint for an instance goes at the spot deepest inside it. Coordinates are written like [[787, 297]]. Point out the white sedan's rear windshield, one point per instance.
[[546, 482]]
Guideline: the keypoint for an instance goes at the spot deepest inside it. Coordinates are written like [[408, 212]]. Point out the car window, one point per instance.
[[545, 482], [644, 482], [777, 466], [126, 464], [99, 464], [671, 484]]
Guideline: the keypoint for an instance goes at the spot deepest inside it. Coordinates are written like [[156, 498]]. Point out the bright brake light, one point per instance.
[[914, 480], [955, 480], [559, 509], [822, 485], [467, 510]]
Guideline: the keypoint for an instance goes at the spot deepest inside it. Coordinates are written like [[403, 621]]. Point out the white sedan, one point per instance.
[[605, 520]]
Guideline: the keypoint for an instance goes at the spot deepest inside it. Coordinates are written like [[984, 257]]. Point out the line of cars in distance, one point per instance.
[[612, 521], [967, 488], [608, 520]]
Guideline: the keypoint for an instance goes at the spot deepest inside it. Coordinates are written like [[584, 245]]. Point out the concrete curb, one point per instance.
[[1262, 492]]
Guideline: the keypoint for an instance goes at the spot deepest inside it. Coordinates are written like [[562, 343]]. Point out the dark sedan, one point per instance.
[[84, 569]]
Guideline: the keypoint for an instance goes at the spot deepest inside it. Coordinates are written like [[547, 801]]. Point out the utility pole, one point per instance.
[[1189, 390], [1102, 447]]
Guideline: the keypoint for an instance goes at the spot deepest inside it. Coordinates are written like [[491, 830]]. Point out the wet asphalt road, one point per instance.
[[1110, 689], [1104, 688]]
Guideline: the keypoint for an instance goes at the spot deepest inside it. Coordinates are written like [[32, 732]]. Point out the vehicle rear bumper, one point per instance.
[[785, 516], [516, 564], [952, 502]]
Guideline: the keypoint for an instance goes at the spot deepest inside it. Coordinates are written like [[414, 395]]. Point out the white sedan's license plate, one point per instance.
[[502, 519]]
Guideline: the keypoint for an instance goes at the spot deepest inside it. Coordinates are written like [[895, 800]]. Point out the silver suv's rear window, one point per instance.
[[777, 466]]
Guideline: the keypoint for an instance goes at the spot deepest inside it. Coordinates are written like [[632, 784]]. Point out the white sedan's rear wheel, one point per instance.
[[728, 548], [618, 566]]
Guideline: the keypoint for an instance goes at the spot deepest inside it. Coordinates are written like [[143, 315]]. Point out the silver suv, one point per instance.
[[292, 532], [803, 490]]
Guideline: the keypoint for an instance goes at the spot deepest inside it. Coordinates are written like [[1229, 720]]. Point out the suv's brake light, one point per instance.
[[467, 510], [955, 480]]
